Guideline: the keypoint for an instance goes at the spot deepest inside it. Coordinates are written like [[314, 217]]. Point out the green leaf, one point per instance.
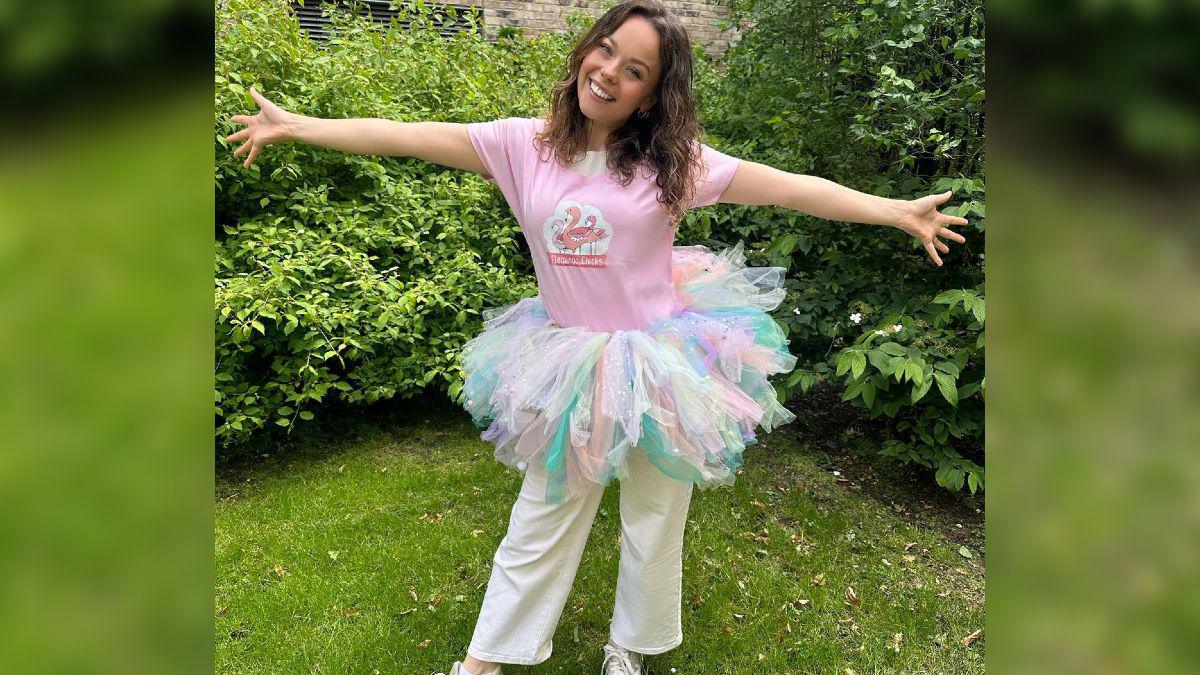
[[947, 387], [868, 393], [858, 363], [920, 390]]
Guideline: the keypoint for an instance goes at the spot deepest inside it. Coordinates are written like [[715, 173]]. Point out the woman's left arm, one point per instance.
[[757, 184]]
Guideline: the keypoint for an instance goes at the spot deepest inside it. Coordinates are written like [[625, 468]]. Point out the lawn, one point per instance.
[[364, 545]]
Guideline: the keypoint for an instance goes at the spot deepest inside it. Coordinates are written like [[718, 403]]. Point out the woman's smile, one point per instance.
[[599, 92]]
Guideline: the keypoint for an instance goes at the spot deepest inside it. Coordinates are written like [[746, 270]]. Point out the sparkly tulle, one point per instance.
[[690, 390]]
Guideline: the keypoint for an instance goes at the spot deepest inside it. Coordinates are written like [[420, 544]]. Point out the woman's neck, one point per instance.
[[597, 136]]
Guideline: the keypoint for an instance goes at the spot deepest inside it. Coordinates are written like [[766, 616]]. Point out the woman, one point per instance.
[[638, 360]]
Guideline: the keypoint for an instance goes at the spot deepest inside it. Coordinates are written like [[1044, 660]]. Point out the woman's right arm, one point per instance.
[[444, 143]]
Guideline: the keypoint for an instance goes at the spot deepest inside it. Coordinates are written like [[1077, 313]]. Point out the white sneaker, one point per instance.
[[459, 669], [620, 661]]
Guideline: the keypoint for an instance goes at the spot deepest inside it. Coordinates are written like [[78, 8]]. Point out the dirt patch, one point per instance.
[[838, 435]]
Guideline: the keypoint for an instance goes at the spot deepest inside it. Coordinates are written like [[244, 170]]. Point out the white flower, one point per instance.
[[795, 310], [856, 317], [879, 332], [896, 328]]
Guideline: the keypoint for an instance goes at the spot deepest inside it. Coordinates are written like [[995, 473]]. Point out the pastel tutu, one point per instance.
[[689, 391]]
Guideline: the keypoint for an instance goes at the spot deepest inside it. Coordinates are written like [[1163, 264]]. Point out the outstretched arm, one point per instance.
[[760, 185], [444, 143]]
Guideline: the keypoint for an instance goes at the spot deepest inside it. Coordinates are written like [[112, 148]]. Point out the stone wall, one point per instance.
[[537, 16]]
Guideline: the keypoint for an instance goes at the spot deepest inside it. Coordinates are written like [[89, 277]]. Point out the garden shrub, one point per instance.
[[350, 276], [884, 96]]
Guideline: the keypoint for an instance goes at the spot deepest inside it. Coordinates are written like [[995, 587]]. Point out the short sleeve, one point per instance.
[[504, 147], [718, 172]]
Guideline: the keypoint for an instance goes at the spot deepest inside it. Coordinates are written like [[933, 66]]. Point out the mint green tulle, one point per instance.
[[689, 391]]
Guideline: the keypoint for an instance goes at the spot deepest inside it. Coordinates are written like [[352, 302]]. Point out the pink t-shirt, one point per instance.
[[601, 252]]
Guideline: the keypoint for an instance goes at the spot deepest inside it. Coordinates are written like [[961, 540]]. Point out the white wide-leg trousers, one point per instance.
[[535, 565]]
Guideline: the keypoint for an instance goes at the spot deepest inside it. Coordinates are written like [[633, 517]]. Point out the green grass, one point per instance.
[[367, 548]]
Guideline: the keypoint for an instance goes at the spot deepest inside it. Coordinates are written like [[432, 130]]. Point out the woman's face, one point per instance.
[[626, 67]]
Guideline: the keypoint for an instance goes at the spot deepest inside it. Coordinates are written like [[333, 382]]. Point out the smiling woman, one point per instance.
[[632, 66], [638, 360]]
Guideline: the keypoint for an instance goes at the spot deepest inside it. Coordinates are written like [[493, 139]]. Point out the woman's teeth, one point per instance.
[[599, 92]]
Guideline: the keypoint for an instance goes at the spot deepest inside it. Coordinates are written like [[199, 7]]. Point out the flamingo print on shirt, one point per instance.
[[577, 235]]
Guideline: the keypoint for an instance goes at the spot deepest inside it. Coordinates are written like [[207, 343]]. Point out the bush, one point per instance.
[[885, 96], [350, 276]]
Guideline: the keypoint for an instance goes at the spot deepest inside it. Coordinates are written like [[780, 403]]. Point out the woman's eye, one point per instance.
[[635, 73], [605, 48]]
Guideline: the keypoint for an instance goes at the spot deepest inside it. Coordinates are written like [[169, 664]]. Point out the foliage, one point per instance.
[[892, 370], [885, 96], [350, 276]]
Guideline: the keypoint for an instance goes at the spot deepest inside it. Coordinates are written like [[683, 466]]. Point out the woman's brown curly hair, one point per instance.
[[665, 141]]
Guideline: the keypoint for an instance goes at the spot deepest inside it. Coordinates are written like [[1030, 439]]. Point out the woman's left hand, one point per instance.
[[921, 219]]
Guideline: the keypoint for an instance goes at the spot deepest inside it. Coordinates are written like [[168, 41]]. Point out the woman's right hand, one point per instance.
[[271, 125]]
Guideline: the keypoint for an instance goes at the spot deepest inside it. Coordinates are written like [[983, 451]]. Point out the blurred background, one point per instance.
[[1093, 168], [106, 290], [106, 206]]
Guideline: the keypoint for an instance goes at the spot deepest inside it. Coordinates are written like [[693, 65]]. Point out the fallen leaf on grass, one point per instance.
[[909, 545], [972, 637], [739, 617], [910, 558], [965, 552], [727, 631], [280, 570], [476, 533], [819, 580], [852, 598], [342, 469], [897, 640], [758, 503], [424, 643], [350, 611], [333, 555]]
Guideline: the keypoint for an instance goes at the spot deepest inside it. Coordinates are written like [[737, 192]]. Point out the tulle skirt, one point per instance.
[[690, 391]]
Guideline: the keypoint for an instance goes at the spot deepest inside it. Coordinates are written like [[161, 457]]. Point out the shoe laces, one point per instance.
[[619, 661]]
